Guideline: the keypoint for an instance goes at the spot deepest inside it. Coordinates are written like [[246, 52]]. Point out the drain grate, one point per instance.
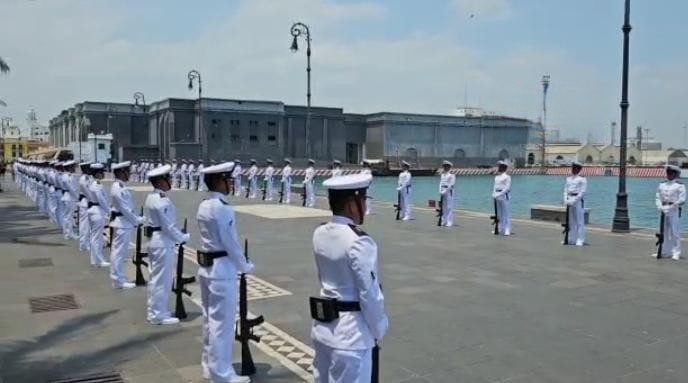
[[108, 377], [53, 303], [35, 262]]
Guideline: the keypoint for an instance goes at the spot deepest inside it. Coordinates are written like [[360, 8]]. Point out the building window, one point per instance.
[[253, 139], [352, 153], [588, 159], [235, 138], [459, 154], [272, 140], [531, 158], [253, 124], [101, 146], [503, 154]]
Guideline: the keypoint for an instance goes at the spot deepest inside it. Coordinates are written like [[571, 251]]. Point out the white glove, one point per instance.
[[186, 237], [140, 220], [569, 202], [495, 195], [248, 269], [665, 209], [399, 189]]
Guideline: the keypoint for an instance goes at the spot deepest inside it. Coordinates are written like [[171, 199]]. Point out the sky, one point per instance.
[[428, 56]]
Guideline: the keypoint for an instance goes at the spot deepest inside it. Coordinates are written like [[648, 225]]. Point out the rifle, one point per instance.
[[439, 210], [565, 225], [244, 328], [660, 236], [304, 195], [181, 281], [397, 207], [139, 255], [265, 189], [495, 218], [375, 377], [281, 192]]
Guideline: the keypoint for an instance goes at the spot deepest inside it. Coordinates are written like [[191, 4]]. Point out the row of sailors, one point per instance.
[[346, 259]]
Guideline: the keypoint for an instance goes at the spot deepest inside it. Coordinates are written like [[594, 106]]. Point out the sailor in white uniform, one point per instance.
[[501, 194], [286, 181], [236, 175], [670, 197], [84, 227], [163, 233], [336, 168], [309, 184], [98, 208], [447, 181], [349, 316], [184, 175], [574, 194], [201, 185], [220, 259], [123, 220], [252, 179], [404, 190], [268, 180], [193, 176], [367, 170], [51, 192], [70, 194], [175, 174]]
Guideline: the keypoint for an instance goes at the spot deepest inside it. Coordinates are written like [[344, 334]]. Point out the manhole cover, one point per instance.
[[53, 303], [109, 377], [35, 262]]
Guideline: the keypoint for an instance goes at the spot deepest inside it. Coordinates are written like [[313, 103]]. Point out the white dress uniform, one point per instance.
[[446, 189], [236, 174], [309, 184], [347, 265], [501, 192], [404, 190], [97, 212], [336, 172], [123, 224], [369, 205], [84, 227], [574, 193], [57, 196], [218, 230], [193, 177], [671, 195], [161, 216], [201, 184], [269, 189], [134, 172], [184, 174], [69, 196], [253, 180], [43, 190], [52, 195], [286, 183], [175, 174]]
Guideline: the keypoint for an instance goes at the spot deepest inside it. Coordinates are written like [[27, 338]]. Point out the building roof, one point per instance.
[[563, 148]]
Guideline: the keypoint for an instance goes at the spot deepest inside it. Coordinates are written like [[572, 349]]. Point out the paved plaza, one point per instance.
[[464, 305]]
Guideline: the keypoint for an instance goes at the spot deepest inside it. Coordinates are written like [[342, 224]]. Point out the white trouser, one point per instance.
[[504, 216], [68, 218], [51, 205], [84, 229], [331, 365], [448, 208], [59, 209], [672, 234], [219, 298], [268, 190], [160, 284], [201, 184], [185, 181], [254, 187], [287, 191], [237, 186], [576, 223], [96, 222], [405, 203], [310, 194], [118, 253]]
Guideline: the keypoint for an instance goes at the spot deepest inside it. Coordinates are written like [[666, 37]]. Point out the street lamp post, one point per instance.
[[140, 99], [195, 75], [621, 222], [297, 30], [545, 87]]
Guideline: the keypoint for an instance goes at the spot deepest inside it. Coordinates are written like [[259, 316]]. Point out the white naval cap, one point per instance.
[[337, 162], [159, 171], [502, 162], [84, 163], [405, 163], [348, 182], [674, 168], [121, 165], [445, 162], [225, 167], [287, 160], [97, 166], [311, 161], [576, 163], [69, 163]]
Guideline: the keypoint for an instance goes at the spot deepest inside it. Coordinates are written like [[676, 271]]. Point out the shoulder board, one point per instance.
[[120, 184], [358, 231], [224, 202], [162, 195]]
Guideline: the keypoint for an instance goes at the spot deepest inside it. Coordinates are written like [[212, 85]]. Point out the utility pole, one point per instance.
[[545, 87]]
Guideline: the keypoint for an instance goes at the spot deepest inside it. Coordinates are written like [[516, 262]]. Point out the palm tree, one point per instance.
[[4, 68]]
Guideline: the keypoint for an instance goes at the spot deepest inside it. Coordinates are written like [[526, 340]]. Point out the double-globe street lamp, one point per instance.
[[195, 75], [297, 30], [621, 222]]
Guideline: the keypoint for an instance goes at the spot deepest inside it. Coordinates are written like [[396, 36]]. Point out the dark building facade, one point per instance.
[[245, 129]]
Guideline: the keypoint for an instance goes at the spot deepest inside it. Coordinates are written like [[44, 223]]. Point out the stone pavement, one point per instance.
[[465, 306]]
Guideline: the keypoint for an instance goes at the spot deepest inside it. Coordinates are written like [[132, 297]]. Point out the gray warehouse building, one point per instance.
[[244, 129]]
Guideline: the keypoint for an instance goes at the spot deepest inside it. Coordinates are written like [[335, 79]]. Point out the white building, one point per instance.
[[96, 148]]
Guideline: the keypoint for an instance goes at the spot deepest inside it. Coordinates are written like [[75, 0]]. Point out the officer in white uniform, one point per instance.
[[193, 176], [236, 175], [367, 170], [184, 175], [501, 194], [51, 192], [123, 220], [267, 180], [286, 181], [163, 233], [70, 194], [220, 258], [336, 168], [84, 227], [349, 315], [309, 183], [404, 190], [253, 179], [98, 208], [57, 195], [670, 197], [201, 185], [447, 181], [175, 174], [574, 193]]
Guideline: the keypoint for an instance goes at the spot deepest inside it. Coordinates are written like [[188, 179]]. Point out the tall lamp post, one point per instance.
[[297, 30], [545, 87], [140, 99], [621, 222], [195, 75]]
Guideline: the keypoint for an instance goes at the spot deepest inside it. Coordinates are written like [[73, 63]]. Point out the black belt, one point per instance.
[[499, 191], [149, 230], [328, 309], [206, 258], [667, 203], [573, 194], [91, 204], [58, 189], [81, 196], [114, 214]]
